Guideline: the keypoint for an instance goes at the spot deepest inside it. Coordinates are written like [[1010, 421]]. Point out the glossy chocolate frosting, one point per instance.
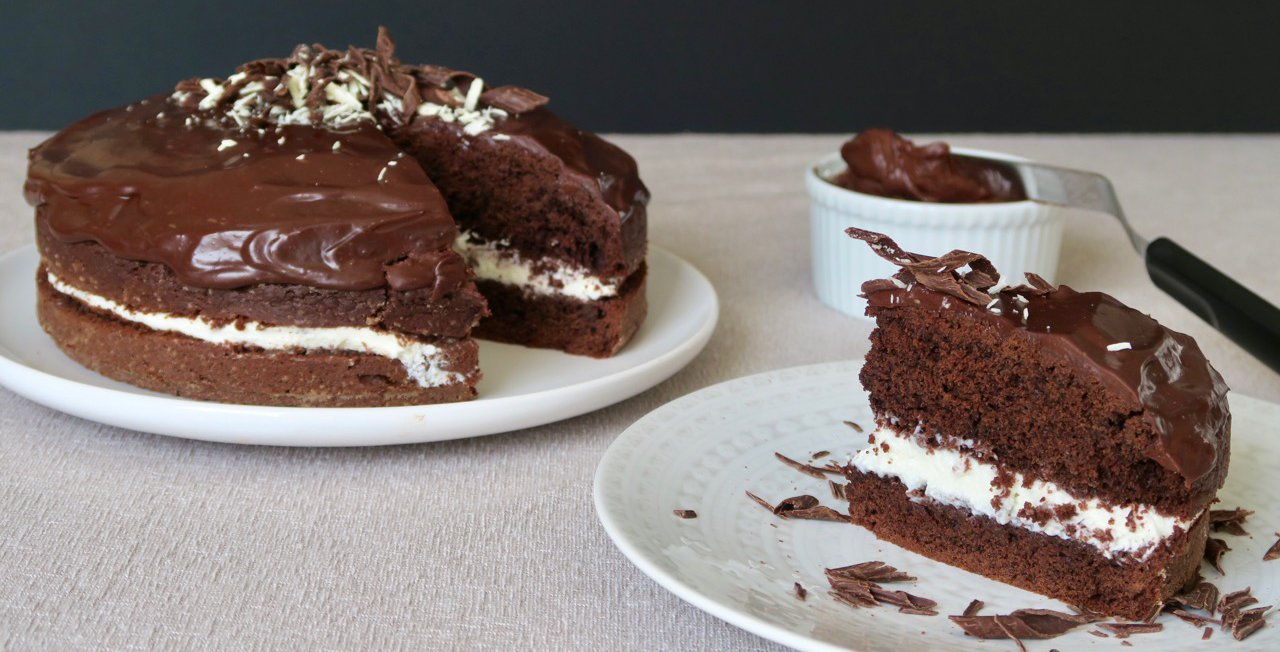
[[302, 204], [1182, 396], [883, 163], [258, 179]]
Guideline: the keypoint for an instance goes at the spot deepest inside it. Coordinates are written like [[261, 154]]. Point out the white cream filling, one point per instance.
[[953, 478], [490, 261], [424, 362]]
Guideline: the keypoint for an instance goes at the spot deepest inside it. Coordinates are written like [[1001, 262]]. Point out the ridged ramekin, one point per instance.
[[1020, 236]]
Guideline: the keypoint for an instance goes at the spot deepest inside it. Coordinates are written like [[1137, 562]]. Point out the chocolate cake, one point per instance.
[[306, 232], [1055, 440]]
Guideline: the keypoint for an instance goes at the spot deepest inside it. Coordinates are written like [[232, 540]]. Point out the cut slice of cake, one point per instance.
[[1055, 440]]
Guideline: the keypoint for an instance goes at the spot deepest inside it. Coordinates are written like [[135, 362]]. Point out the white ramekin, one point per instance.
[[1020, 236]]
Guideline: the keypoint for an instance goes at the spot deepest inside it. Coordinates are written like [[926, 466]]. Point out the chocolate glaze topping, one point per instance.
[[1182, 396], [226, 209], [263, 178], [886, 164]]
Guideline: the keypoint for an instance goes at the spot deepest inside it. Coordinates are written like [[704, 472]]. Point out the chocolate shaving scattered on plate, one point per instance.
[[803, 468], [820, 454], [1248, 623], [1022, 624], [1214, 549], [795, 502], [762, 502], [870, 571], [1125, 630], [1204, 596], [1229, 520], [856, 428], [973, 608], [837, 491], [1208, 631], [1194, 619], [1099, 633], [1274, 551], [819, 513], [685, 513], [801, 593], [1237, 599]]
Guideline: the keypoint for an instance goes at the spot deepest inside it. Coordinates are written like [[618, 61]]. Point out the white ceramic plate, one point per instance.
[[522, 387], [738, 562]]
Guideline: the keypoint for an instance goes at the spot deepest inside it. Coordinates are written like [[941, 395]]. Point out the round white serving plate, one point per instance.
[[739, 563], [522, 387]]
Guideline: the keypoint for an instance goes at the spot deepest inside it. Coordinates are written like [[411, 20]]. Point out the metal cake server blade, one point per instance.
[[1236, 311]]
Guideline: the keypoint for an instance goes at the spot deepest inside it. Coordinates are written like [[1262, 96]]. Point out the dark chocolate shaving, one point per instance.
[[856, 598], [1230, 521], [1037, 283], [513, 99], [837, 490], [973, 608], [819, 513], [917, 612], [1125, 630], [819, 455], [685, 513], [1208, 631], [1273, 552], [760, 501], [1248, 623], [856, 428], [795, 502], [1203, 596], [1194, 619], [386, 75], [870, 571], [940, 274], [902, 599], [1214, 549], [1099, 633], [1236, 600], [1023, 623], [801, 593], [803, 468]]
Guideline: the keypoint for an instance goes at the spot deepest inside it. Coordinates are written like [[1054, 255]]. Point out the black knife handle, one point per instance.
[[1246, 318]]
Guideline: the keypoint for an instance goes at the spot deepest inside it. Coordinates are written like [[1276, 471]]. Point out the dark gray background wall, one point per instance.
[[745, 66]]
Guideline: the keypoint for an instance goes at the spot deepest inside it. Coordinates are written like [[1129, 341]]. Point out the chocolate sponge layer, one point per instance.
[[1036, 413], [1067, 570], [187, 367]]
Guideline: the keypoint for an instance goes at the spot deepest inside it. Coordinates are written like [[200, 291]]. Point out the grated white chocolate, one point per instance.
[[952, 477], [423, 362], [494, 262]]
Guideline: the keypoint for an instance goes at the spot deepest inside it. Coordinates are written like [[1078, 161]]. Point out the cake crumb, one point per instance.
[[801, 593]]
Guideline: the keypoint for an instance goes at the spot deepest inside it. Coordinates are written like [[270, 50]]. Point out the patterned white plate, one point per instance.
[[739, 563]]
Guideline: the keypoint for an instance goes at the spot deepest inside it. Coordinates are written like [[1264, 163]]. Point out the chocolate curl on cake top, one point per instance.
[[338, 87], [1182, 396]]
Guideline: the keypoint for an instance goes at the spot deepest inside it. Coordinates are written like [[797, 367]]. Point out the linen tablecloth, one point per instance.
[[111, 539]]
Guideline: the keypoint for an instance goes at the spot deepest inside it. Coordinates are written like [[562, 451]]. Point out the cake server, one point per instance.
[[1236, 311]]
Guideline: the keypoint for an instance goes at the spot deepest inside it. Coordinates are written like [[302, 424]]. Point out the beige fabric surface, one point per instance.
[[111, 539]]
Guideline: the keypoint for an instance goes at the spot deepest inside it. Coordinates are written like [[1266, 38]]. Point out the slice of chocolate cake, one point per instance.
[[1051, 439], [276, 238]]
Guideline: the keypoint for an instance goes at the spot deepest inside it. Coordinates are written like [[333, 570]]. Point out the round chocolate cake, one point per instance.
[[331, 229]]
